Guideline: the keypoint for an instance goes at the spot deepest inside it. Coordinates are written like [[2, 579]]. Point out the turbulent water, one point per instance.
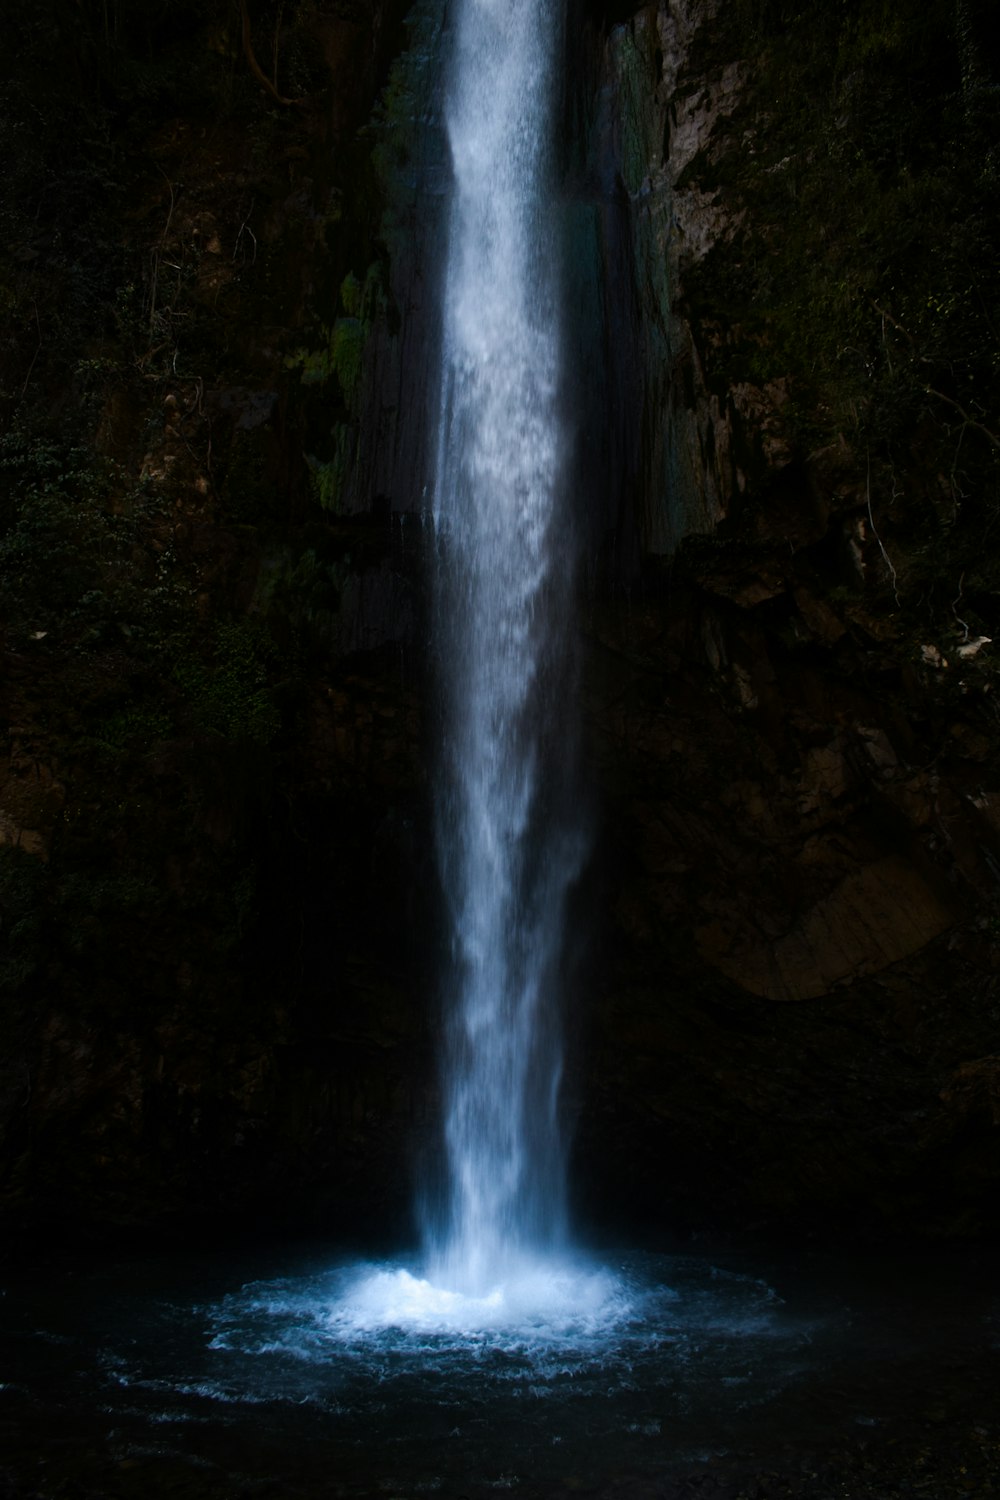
[[508, 844], [298, 1373], [373, 1368]]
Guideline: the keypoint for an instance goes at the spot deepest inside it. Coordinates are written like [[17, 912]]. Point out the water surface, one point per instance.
[[305, 1372]]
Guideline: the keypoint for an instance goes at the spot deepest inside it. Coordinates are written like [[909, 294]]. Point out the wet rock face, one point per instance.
[[799, 987], [795, 1013], [214, 888]]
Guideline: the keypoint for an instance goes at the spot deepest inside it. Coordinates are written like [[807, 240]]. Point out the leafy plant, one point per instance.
[[227, 694]]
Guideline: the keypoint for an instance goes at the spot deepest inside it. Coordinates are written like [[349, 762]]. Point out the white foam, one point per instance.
[[503, 641], [540, 1301]]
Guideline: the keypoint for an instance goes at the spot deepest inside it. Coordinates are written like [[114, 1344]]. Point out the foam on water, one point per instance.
[[308, 1371], [551, 1321], [542, 1301]]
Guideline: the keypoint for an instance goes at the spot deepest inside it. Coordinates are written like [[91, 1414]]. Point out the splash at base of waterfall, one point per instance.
[[301, 1371], [542, 1300]]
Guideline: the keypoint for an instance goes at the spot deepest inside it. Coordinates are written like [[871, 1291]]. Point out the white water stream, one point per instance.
[[508, 847], [509, 829]]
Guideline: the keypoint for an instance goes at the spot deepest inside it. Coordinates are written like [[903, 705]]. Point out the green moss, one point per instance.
[[340, 353], [633, 54], [92, 901], [299, 596], [866, 209], [340, 356], [347, 349], [136, 728], [83, 559], [227, 694], [351, 295], [331, 477]]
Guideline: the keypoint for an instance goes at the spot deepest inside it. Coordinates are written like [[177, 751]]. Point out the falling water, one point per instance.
[[508, 845]]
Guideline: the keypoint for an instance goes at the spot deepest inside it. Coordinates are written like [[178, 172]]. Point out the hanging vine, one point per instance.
[[270, 87]]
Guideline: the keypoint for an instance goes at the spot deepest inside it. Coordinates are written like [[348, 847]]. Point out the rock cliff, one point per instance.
[[216, 887], [792, 699], [210, 875]]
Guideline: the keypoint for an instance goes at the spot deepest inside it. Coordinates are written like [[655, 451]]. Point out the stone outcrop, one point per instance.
[[801, 868]]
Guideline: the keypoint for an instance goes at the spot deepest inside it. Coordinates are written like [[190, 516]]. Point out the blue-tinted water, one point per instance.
[[317, 1375], [510, 837]]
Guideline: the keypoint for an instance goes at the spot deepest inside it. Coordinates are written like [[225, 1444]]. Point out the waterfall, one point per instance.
[[508, 832]]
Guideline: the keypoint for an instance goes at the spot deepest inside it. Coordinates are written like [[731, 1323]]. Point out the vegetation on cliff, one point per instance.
[[189, 264], [864, 160], [796, 713]]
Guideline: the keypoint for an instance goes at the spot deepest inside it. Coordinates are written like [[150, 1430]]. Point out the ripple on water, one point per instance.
[[548, 1327], [651, 1359]]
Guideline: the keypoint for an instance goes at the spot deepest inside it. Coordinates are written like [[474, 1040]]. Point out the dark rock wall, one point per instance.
[[213, 869], [792, 711], [216, 884]]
